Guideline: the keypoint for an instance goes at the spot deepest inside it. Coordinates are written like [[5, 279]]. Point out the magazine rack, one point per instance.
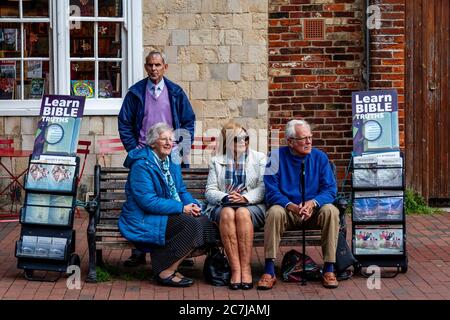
[[47, 238], [378, 213]]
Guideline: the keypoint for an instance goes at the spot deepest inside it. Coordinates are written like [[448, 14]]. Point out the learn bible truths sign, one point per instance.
[[59, 126], [375, 122]]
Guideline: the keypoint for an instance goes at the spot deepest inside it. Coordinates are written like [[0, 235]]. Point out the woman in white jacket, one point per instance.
[[235, 196]]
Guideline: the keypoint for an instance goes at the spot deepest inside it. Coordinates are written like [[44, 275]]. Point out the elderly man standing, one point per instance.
[[284, 198], [153, 100]]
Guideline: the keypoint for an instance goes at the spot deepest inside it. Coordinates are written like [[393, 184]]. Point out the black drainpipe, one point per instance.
[[367, 46]]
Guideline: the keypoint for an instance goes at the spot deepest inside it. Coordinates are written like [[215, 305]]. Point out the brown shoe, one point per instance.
[[266, 282], [329, 280]]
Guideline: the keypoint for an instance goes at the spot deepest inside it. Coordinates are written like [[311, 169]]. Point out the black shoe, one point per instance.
[[184, 282], [247, 286], [235, 286], [134, 260], [189, 262]]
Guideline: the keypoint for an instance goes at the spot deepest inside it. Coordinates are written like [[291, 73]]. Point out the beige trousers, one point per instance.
[[279, 219]]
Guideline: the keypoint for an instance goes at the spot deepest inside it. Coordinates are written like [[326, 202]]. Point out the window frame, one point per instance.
[[132, 69]]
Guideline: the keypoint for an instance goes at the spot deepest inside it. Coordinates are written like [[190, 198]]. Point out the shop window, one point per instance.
[[77, 47]]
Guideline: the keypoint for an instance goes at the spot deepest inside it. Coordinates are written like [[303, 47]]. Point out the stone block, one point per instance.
[[224, 54], [255, 37], [156, 38], [194, 6], [242, 21], [199, 108], [155, 22], [234, 72], [188, 21], [233, 37], [239, 54], [216, 109], [218, 37], [173, 72], [214, 6], [85, 125], [118, 159], [260, 90], [225, 21], [96, 125], [173, 21], [244, 90], [263, 108], [206, 21], [111, 125], [214, 90], [249, 71], [190, 72], [249, 108], [2, 125], [237, 6], [257, 54], [260, 6], [180, 37], [261, 72], [200, 37], [185, 86], [260, 21], [171, 54], [218, 71], [199, 90], [29, 125], [12, 126], [228, 90]]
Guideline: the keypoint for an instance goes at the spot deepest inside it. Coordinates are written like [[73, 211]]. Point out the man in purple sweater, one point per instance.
[[152, 100], [284, 200]]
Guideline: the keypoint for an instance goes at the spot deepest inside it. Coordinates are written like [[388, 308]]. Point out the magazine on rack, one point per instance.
[[59, 126], [375, 121], [48, 208], [378, 240], [50, 177]]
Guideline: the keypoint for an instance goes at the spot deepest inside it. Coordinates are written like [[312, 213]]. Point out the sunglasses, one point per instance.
[[241, 138]]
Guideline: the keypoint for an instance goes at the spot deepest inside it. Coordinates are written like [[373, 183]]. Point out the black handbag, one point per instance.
[[216, 269], [344, 257]]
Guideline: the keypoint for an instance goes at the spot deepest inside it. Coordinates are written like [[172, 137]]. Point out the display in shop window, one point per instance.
[[7, 88], [84, 88], [9, 39]]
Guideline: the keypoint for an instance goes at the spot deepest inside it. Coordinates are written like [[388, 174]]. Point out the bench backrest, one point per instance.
[[109, 189]]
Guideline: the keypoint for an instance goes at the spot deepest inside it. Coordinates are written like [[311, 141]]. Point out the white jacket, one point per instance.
[[254, 170]]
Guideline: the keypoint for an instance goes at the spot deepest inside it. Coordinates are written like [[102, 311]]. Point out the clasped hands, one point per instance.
[[236, 197], [304, 211], [192, 209]]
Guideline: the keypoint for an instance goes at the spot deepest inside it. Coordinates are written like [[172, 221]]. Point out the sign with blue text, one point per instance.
[[59, 126], [375, 122]]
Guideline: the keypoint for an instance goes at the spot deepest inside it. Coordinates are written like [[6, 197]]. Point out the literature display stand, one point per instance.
[[47, 238], [378, 214], [378, 182], [47, 241]]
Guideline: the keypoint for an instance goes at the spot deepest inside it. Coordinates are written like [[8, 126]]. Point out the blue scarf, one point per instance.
[[235, 177], [164, 165]]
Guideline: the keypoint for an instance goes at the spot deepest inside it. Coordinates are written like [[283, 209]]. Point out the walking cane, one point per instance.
[[302, 181]]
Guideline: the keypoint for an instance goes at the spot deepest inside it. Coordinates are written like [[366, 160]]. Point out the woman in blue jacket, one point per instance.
[[159, 214]]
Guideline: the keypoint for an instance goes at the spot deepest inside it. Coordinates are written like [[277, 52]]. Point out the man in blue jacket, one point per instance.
[[284, 198], [152, 100]]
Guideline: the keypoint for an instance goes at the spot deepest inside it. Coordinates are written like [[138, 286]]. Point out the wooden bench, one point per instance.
[[109, 196]]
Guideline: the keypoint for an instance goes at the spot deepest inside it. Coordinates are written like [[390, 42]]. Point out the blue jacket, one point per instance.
[[144, 214], [282, 178], [133, 106]]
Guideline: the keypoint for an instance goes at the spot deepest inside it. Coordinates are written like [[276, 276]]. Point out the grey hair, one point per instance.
[[155, 131], [157, 53], [290, 127]]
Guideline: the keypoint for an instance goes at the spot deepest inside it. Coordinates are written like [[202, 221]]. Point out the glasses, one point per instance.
[[240, 139], [302, 139], [166, 140]]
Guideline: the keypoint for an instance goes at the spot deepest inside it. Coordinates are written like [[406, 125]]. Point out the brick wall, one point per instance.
[[313, 79], [388, 54]]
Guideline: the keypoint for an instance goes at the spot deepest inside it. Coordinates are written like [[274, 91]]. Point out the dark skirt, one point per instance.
[[256, 214], [183, 235]]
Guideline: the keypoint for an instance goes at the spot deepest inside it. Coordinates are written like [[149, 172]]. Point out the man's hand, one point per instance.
[[192, 209], [236, 197], [295, 209], [307, 209]]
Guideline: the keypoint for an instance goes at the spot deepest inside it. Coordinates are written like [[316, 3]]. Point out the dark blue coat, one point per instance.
[[144, 214], [133, 106]]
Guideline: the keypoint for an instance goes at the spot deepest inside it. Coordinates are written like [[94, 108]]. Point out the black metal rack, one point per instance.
[[47, 238], [378, 213]]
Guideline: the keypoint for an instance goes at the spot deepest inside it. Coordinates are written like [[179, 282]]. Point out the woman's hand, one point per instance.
[[192, 209], [237, 197]]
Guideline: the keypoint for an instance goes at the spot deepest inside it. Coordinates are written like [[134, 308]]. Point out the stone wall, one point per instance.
[[217, 51]]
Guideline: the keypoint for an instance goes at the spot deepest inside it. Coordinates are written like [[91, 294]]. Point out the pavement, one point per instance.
[[428, 275]]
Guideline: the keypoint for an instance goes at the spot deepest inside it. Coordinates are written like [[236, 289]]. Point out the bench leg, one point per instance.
[[92, 275], [99, 257]]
